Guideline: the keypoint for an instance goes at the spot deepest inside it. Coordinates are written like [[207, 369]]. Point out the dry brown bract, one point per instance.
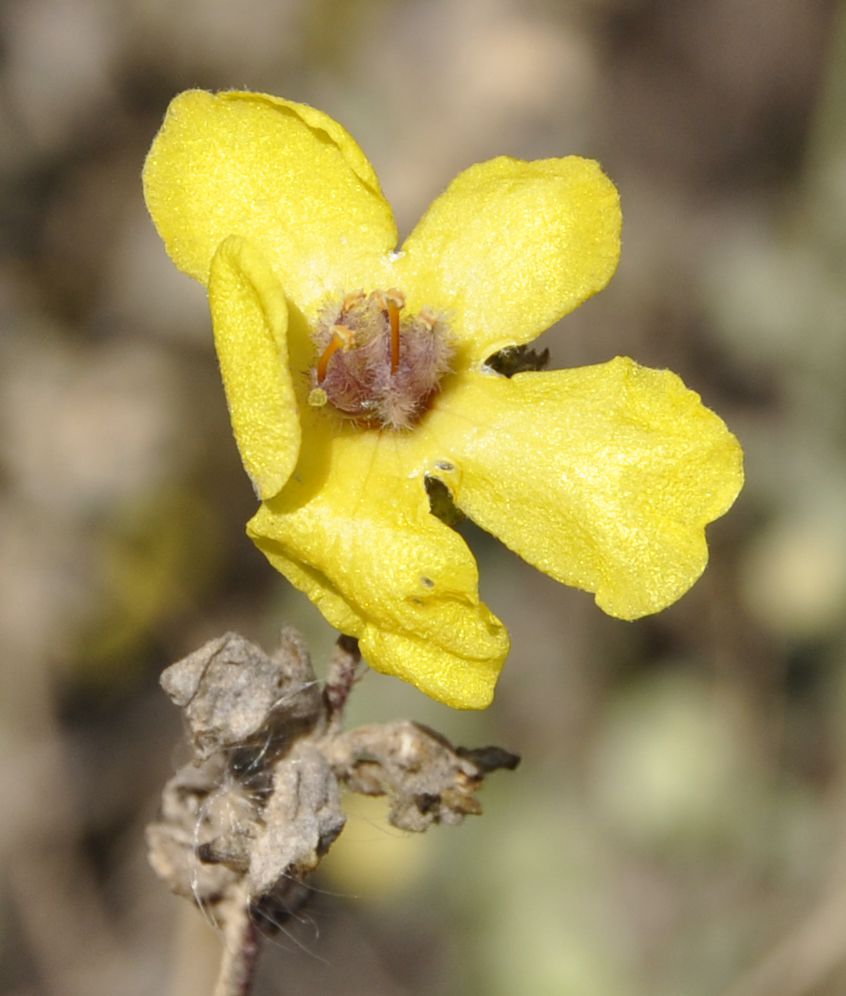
[[246, 820]]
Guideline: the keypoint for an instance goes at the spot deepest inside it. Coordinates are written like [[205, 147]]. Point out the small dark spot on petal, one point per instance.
[[427, 582]]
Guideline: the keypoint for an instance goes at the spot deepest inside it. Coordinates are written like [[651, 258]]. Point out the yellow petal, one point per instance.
[[285, 176], [603, 477], [353, 530], [513, 246], [250, 319], [459, 682]]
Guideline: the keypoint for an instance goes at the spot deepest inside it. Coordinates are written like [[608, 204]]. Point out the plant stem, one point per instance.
[[241, 946]]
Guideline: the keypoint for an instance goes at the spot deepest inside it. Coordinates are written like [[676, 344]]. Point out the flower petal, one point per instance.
[[457, 681], [250, 319], [513, 246], [353, 530], [284, 175], [603, 477]]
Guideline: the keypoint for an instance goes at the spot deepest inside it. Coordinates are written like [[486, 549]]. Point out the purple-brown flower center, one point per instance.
[[376, 365]]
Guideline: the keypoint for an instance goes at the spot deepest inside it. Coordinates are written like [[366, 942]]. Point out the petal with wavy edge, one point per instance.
[[458, 681], [603, 477], [281, 174], [353, 530], [511, 246], [250, 319]]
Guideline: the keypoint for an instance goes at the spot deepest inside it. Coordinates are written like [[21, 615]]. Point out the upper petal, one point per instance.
[[281, 174], [513, 246], [250, 319], [603, 477], [353, 530]]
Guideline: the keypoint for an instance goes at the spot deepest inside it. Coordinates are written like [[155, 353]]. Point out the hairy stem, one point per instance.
[[241, 946]]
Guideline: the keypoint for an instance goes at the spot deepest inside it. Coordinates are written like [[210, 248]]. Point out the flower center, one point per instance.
[[376, 365]]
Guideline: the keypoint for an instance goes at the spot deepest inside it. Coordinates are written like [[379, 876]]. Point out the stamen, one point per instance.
[[428, 318], [393, 315], [391, 301], [351, 300], [389, 364], [342, 338], [326, 356]]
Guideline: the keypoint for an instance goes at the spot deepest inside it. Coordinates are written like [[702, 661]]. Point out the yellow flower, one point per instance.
[[354, 373]]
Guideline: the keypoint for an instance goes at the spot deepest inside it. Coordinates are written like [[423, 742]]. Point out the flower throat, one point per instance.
[[375, 365]]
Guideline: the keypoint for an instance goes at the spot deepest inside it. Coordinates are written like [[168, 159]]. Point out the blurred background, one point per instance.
[[678, 824]]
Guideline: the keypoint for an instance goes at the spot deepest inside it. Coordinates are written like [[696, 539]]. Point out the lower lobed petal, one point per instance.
[[352, 529], [457, 681], [603, 477]]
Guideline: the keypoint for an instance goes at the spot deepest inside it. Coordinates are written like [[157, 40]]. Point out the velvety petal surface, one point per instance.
[[512, 246], [250, 319], [604, 477], [283, 175], [353, 530]]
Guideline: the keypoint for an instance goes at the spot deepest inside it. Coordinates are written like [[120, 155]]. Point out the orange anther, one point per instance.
[[345, 334], [342, 338], [428, 318], [351, 300], [393, 316], [335, 343]]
